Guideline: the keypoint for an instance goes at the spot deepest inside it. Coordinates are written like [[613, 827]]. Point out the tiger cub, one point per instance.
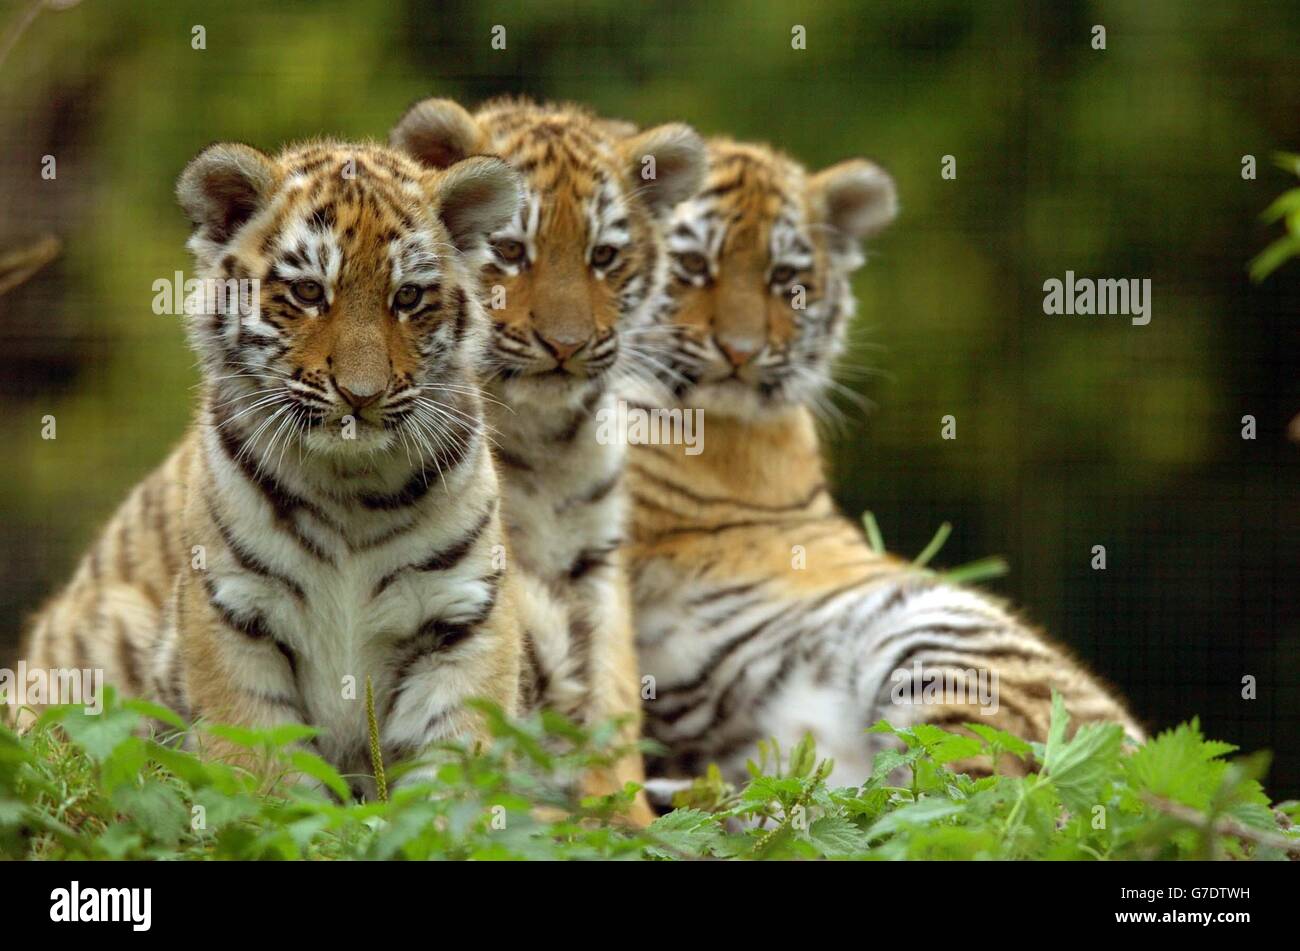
[[577, 274], [333, 513], [761, 610]]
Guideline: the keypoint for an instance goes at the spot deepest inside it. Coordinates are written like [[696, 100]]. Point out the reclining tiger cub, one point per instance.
[[745, 639]]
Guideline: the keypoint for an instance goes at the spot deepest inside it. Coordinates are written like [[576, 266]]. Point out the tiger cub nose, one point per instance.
[[364, 395], [738, 352], [560, 347]]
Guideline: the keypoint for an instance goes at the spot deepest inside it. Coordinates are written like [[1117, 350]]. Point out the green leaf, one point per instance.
[[1288, 162], [185, 766], [1179, 765], [1274, 256], [685, 830], [803, 758], [1081, 766], [936, 543], [874, 538], [886, 761], [100, 734], [155, 711], [836, 836], [944, 746], [922, 813], [1000, 739], [768, 788], [312, 765], [973, 572], [1285, 204]]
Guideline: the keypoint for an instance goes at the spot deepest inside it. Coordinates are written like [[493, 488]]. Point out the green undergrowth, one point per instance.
[[77, 786]]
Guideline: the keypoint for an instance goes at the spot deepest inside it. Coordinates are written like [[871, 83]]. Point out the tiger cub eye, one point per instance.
[[783, 274], [509, 250], [693, 262], [407, 296], [603, 255], [308, 292]]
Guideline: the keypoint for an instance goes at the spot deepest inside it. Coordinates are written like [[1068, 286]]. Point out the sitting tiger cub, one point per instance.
[[575, 277], [333, 513], [761, 610]]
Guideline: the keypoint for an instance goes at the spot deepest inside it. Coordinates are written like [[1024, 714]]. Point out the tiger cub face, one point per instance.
[[582, 262], [364, 264], [761, 265]]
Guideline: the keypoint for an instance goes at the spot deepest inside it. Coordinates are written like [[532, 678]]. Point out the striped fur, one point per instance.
[[333, 513], [578, 273], [761, 610]]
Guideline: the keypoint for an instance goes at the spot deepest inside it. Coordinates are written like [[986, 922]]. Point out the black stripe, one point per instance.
[[580, 416], [442, 560], [696, 497], [290, 657], [595, 493], [900, 660], [437, 635], [418, 485], [413, 491], [536, 679], [461, 303], [580, 633], [708, 669], [172, 683], [722, 188], [251, 625], [721, 527], [249, 561], [988, 626], [589, 559], [433, 636], [282, 502], [385, 537], [956, 656], [126, 658], [719, 593], [511, 461], [719, 656]]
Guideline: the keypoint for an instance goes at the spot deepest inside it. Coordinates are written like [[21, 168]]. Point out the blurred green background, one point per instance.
[[1071, 431]]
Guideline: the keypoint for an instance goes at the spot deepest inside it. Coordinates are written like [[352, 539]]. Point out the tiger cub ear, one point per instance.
[[223, 187], [666, 164], [476, 197], [438, 133], [856, 198]]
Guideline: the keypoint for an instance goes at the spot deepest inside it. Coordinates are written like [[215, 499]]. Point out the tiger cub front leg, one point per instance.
[[235, 673], [616, 692], [440, 667]]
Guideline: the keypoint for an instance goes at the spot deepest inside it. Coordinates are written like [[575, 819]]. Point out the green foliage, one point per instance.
[[1285, 208], [982, 569], [100, 787]]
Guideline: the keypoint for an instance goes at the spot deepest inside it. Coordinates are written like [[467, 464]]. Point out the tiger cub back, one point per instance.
[[761, 610], [319, 525]]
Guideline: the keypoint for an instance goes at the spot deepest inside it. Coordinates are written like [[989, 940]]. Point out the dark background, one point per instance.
[[1071, 431]]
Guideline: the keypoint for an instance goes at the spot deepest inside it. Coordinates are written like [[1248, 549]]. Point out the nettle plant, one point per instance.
[[77, 786]]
